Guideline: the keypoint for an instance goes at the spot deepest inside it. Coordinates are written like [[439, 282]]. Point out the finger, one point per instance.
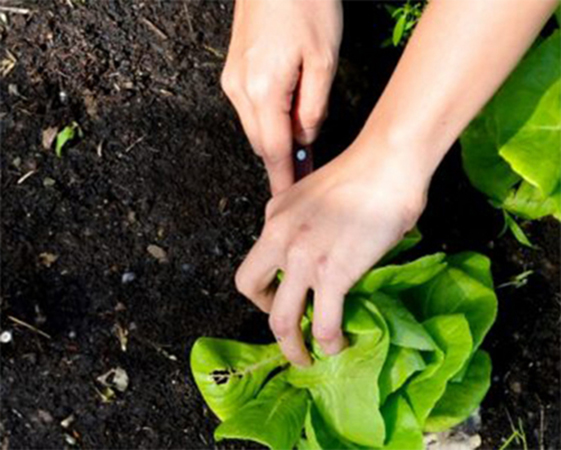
[[256, 276], [312, 98], [328, 318], [233, 86], [286, 314], [275, 135], [271, 96]]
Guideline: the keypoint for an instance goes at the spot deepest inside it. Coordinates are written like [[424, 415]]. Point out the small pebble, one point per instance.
[[67, 422], [48, 182], [6, 337], [72, 335], [128, 277], [157, 252], [45, 416], [516, 387]]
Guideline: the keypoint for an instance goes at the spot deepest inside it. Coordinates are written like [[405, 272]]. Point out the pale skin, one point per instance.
[[325, 231]]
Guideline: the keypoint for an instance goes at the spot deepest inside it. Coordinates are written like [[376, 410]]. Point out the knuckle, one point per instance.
[[325, 62], [275, 230], [242, 284], [260, 88], [326, 333], [272, 156], [281, 325]]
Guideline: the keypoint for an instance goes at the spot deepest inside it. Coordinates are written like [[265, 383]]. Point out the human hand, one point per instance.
[[278, 74], [324, 233]]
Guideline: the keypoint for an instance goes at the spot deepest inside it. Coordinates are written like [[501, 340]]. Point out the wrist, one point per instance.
[[402, 150]]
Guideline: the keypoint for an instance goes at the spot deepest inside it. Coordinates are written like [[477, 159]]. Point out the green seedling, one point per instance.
[[413, 365], [518, 437], [66, 135], [516, 230], [511, 150], [517, 281], [406, 17]]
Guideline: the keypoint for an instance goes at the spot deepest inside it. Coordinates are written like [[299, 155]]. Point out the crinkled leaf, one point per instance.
[[275, 418], [321, 437], [451, 334], [402, 427], [230, 373], [461, 399], [473, 264], [345, 388], [394, 278], [360, 318], [527, 202], [456, 291], [404, 329], [399, 366], [518, 137]]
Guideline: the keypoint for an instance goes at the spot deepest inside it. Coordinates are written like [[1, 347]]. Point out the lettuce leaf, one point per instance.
[[511, 151], [230, 373], [275, 418]]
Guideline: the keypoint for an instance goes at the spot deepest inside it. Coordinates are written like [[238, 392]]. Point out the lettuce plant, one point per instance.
[[413, 364], [511, 151]]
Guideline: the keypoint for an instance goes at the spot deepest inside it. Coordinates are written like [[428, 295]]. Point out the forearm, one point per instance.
[[457, 58]]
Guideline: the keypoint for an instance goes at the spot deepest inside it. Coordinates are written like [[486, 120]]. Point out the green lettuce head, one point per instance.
[[413, 365]]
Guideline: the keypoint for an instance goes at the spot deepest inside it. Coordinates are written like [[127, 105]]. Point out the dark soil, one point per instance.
[[164, 162]]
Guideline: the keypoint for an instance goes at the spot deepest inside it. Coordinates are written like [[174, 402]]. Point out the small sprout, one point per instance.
[[512, 225], [517, 281], [66, 135]]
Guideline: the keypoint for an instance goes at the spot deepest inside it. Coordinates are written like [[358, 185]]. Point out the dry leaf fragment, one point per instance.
[[116, 378], [157, 252], [47, 259]]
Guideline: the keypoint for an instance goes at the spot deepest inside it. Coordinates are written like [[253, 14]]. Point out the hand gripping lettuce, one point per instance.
[[413, 365]]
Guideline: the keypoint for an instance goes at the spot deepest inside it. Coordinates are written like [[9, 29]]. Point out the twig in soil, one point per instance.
[[15, 10], [99, 149], [155, 29], [214, 51], [26, 176], [29, 327], [189, 22], [138, 141]]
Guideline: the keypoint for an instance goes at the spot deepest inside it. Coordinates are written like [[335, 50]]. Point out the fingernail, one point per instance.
[[306, 136]]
